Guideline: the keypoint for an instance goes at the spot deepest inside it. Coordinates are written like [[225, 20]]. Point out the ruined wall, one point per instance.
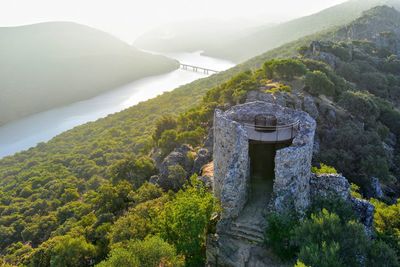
[[231, 165], [292, 178]]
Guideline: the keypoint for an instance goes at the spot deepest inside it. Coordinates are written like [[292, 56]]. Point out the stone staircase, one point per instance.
[[246, 232]]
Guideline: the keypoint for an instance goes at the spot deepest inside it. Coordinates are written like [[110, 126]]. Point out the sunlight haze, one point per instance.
[[128, 19]]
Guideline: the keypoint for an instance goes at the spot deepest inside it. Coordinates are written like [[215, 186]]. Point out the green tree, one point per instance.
[[286, 69], [184, 221], [279, 233], [318, 83], [326, 235], [134, 170], [150, 252], [360, 104], [166, 122]]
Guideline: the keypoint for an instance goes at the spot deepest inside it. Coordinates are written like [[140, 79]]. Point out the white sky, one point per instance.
[[129, 18]]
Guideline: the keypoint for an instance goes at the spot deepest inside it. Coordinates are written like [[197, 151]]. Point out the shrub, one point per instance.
[[325, 234], [136, 171], [286, 69], [387, 223], [324, 255], [151, 252], [324, 169], [381, 254], [163, 124], [318, 83], [360, 104], [184, 221], [279, 233]]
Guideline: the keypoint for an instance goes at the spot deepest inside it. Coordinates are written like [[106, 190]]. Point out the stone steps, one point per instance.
[[249, 227], [245, 237], [249, 233]]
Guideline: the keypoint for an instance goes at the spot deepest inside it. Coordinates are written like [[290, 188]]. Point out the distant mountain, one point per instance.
[[259, 40], [50, 64], [194, 35]]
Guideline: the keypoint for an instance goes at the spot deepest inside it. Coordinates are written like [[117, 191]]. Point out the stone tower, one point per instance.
[[262, 160]]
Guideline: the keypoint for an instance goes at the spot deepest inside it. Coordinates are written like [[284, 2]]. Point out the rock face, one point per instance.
[[337, 186]]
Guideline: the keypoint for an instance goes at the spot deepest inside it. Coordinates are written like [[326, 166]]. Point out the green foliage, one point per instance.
[[360, 104], [280, 88], [176, 177], [387, 223], [166, 122], [136, 171], [151, 252], [324, 169], [318, 83], [381, 254], [63, 251], [279, 234], [184, 220], [324, 255], [120, 257], [286, 69], [355, 191], [335, 205], [326, 235], [138, 222]]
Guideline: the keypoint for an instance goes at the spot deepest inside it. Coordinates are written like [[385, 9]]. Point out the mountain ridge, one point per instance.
[[64, 62]]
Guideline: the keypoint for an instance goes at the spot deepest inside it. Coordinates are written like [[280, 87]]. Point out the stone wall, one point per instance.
[[231, 165]]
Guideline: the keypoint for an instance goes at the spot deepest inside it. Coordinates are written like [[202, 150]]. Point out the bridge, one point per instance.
[[197, 69]]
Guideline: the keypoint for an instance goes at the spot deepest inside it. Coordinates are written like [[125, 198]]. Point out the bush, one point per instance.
[[318, 83], [135, 171], [324, 169], [387, 223], [184, 221], [360, 104], [286, 69], [279, 232], [381, 254], [325, 255], [151, 252], [163, 124], [335, 241]]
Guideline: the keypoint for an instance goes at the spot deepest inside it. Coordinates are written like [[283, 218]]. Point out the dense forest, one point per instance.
[[64, 62], [84, 197]]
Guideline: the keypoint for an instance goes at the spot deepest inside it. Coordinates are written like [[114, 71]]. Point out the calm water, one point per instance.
[[41, 127]]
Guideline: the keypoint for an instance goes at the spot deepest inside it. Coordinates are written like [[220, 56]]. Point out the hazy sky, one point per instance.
[[129, 18]]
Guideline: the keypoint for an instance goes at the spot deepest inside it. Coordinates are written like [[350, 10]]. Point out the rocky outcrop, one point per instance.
[[203, 157], [329, 186], [336, 186], [181, 156]]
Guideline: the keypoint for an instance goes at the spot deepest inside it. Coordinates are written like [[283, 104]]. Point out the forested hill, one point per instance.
[[62, 62], [84, 195]]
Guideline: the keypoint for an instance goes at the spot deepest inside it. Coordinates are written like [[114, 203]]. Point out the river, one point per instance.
[[41, 127]]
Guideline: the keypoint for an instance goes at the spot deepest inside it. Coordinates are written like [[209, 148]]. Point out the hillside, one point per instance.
[[82, 187], [62, 63], [255, 41], [193, 35]]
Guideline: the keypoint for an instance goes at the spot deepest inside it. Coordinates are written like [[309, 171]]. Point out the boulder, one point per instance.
[[202, 158]]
